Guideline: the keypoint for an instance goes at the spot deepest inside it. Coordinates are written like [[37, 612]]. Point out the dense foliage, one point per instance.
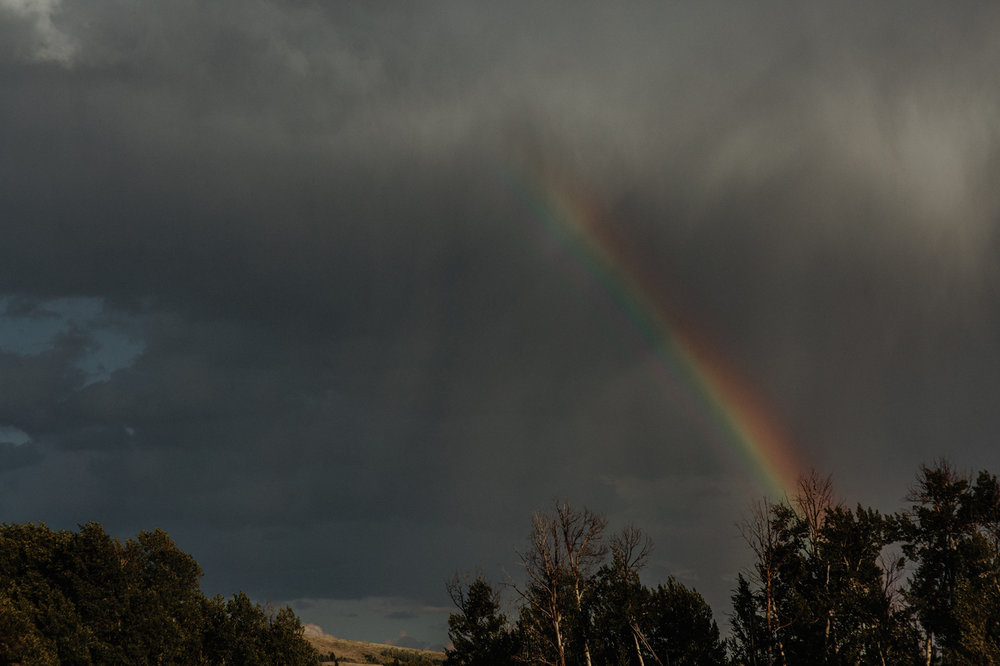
[[583, 604], [85, 598], [831, 585], [827, 585]]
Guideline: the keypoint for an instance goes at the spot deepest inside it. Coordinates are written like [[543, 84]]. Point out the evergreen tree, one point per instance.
[[679, 627], [955, 589], [749, 639], [479, 631], [618, 603], [940, 540], [823, 586]]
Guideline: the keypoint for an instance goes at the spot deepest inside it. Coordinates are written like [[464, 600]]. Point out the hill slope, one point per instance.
[[358, 653]]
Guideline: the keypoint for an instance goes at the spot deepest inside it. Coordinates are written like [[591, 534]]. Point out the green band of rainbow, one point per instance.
[[723, 403]]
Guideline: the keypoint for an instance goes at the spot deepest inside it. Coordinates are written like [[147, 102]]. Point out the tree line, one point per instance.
[[85, 598], [827, 584]]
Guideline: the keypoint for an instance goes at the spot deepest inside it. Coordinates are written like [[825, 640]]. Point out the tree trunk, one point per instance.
[[829, 616], [826, 638], [771, 637], [579, 610], [560, 648], [638, 650]]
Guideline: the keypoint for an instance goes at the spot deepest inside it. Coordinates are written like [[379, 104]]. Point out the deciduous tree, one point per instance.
[[565, 549]]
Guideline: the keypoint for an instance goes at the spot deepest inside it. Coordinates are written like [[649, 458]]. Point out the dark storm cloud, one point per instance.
[[17, 455], [400, 615], [338, 361]]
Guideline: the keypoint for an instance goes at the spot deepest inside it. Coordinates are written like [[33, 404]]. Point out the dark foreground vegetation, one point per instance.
[[828, 585], [85, 598]]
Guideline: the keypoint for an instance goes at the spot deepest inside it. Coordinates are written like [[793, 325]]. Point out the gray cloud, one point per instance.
[[17, 455]]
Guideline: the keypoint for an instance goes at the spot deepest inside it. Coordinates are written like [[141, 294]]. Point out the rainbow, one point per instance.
[[698, 377]]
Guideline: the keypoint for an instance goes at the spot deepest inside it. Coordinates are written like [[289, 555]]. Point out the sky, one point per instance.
[[339, 294]]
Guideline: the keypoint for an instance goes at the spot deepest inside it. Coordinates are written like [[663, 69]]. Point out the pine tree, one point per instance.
[[679, 627], [479, 632]]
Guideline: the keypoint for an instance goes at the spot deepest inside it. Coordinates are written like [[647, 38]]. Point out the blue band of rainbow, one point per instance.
[[725, 407]]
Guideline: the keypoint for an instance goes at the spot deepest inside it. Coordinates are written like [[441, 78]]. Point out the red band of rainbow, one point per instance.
[[724, 405]]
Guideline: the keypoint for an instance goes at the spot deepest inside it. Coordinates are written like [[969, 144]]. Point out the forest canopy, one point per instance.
[[86, 598], [827, 584]]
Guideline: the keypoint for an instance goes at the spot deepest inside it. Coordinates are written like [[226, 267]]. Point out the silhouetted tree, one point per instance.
[[618, 601], [566, 549], [942, 522], [952, 531], [479, 632], [770, 533], [822, 589], [748, 644], [84, 598], [679, 627]]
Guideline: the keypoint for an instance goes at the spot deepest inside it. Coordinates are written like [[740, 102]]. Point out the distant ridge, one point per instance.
[[359, 653]]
